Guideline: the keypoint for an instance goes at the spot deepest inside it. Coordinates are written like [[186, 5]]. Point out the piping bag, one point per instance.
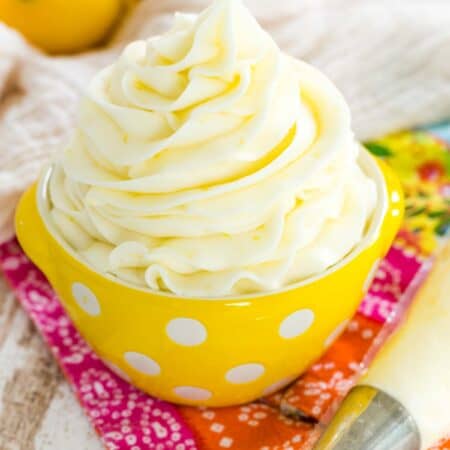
[[403, 401]]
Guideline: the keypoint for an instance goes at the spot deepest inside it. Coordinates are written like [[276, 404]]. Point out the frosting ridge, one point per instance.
[[207, 162]]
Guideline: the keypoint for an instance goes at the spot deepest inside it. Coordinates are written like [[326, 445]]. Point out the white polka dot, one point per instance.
[[192, 393], [85, 299], [117, 370], [278, 385], [244, 373], [187, 332], [142, 363], [371, 276], [296, 323], [336, 333]]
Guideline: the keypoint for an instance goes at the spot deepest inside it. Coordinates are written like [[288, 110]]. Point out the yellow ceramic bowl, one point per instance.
[[218, 351]]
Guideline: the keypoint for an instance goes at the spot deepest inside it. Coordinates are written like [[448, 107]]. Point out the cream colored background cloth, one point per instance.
[[390, 58]]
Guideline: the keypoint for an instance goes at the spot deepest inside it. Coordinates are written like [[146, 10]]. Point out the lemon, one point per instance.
[[62, 26]]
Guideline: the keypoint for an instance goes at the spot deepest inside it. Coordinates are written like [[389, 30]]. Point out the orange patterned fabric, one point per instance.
[[283, 420], [292, 418], [330, 378], [253, 426], [278, 423]]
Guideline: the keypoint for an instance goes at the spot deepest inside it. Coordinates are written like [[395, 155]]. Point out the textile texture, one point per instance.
[[391, 59], [127, 419]]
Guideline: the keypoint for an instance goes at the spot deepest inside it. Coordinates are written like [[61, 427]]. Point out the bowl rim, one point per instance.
[[366, 161]]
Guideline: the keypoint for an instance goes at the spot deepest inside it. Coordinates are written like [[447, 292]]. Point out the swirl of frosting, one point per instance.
[[206, 162]]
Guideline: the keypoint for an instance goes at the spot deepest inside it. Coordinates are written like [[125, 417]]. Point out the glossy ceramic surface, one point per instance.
[[217, 351]]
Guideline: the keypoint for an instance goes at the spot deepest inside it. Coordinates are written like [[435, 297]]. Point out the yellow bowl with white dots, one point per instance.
[[217, 351]]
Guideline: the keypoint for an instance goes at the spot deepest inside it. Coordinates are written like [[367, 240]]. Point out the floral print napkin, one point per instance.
[[127, 419]]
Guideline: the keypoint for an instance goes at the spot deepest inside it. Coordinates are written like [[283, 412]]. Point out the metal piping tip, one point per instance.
[[369, 419]]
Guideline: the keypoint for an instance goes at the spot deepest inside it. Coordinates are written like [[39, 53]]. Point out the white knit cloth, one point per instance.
[[390, 58]]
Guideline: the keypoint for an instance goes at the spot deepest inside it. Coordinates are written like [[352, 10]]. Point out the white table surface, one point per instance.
[[37, 409]]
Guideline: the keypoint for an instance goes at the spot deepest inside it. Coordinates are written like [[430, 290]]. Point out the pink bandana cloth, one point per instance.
[[127, 419]]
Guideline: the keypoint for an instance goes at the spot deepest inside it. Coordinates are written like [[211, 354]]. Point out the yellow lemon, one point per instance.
[[62, 26]]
